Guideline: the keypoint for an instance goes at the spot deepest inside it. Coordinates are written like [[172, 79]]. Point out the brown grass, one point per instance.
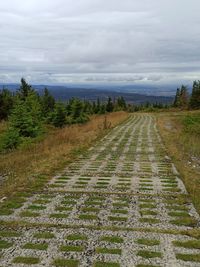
[[60, 146], [171, 130]]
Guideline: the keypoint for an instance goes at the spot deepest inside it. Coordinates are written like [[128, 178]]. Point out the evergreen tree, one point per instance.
[[26, 116], [58, 116], [48, 103], [195, 97], [177, 98], [24, 89], [184, 98], [6, 103], [109, 105]]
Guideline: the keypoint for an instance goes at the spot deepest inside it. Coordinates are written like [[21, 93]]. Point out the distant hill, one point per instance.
[[64, 93]]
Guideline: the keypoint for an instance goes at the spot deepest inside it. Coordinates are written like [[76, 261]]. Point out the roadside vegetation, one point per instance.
[[181, 134]]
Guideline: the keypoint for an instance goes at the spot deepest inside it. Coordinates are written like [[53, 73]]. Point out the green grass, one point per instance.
[[185, 221], [36, 207], [149, 254], [119, 211], [38, 246], [106, 264], [90, 209], [112, 239], [147, 206], [29, 214], [117, 251], [88, 217], [74, 237], [178, 214], [188, 257], [5, 212], [117, 219], [62, 208], [192, 244], [45, 235], [70, 248], [9, 234], [120, 204], [148, 242], [59, 215], [148, 212], [65, 263], [4, 244], [26, 260], [146, 265]]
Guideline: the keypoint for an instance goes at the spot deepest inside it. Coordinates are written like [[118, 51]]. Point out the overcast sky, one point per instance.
[[62, 41]]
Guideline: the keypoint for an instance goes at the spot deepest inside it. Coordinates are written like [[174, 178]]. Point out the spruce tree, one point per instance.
[[109, 106], [195, 97]]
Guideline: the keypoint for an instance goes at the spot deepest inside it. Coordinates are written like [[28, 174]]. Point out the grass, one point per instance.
[[191, 244], [117, 251], [71, 248], [149, 254], [38, 246], [45, 157], [117, 219], [112, 239], [119, 211], [45, 235], [180, 132], [148, 242], [188, 257], [5, 244], [26, 260], [186, 221], [88, 217], [29, 214], [36, 207], [106, 264], [9, 234], [65, 263]]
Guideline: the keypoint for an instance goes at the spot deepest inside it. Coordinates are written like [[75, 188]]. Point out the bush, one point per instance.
[[11, 139]]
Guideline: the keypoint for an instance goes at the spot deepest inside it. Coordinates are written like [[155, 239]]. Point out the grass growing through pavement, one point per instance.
[[38, 246], [5, 244], [106, 264], [112, 239], [26, 260], [192, 244], [149, 254], [188, 257], [45, 235], [65, 263]]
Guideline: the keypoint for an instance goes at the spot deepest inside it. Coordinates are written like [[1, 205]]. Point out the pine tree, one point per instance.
[[184, 98], [177, 98], [6, 103], [58, 116], [24, 89], [48, 103], [195, 97], [109, 106]]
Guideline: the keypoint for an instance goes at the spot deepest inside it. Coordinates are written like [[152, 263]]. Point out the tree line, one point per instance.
[[27, 112], [184, 100]]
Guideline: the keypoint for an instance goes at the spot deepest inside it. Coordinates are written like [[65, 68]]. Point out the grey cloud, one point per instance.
[[98, 40]]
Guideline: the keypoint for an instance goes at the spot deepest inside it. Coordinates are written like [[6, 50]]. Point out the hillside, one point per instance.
[[64, 93]]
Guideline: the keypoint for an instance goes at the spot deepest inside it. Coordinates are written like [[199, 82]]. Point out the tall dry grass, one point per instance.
[[180, 148], [47, 156]]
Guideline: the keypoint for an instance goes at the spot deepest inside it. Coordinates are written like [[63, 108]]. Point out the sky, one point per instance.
[[100, 41]]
